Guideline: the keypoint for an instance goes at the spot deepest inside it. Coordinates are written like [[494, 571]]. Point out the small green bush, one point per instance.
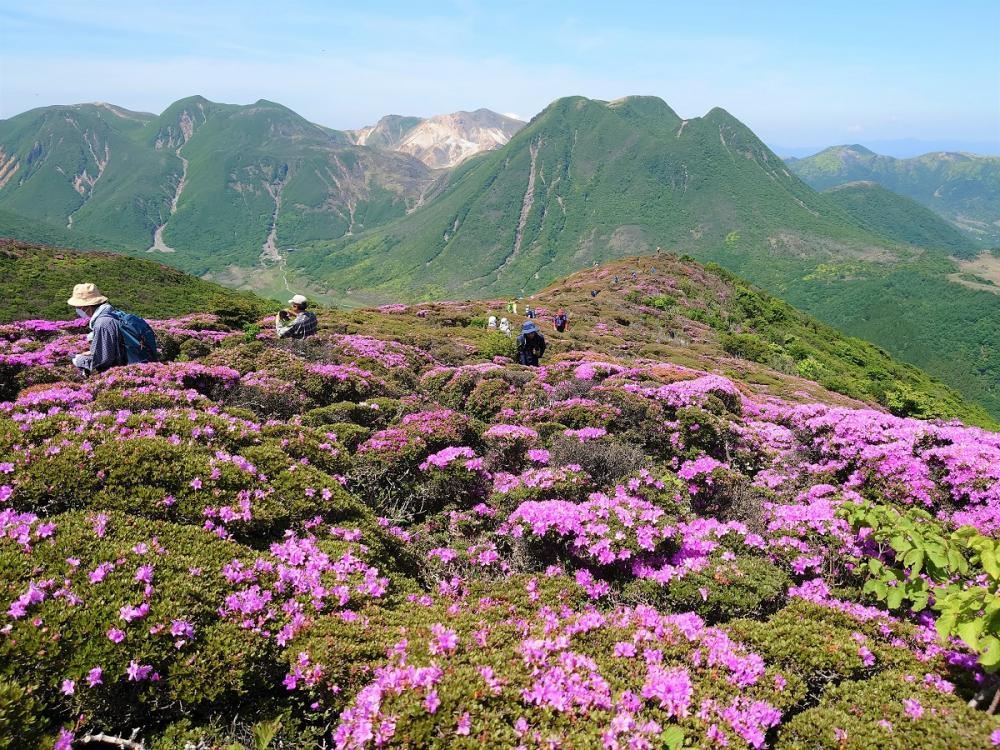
[[744, 587], [21, 718], [860, 715], [496, 344], [192, 349]]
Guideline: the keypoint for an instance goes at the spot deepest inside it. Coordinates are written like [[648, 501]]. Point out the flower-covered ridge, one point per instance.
[[390, 535]]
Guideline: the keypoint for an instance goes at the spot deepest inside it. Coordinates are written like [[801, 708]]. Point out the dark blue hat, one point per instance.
[[529, 327]]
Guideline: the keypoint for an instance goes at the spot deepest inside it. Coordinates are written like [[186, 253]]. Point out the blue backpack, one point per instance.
[[137, 336]]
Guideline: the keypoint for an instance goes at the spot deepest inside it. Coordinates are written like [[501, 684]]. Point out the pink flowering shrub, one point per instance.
[[508, 446], [126, 611], [500, 667], [169, 466], [380, 542]]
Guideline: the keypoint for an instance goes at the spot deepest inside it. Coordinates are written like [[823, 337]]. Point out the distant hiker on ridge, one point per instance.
[[491, 324], [530, 313], [561, 321], [116, 338], [296, 323], [530, 345]]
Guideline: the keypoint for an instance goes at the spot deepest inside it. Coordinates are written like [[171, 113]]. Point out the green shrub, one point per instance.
[[349, 435], [547, 430], [702, 432], [744, 587], [235, 314], [139, 475], [375, 413], [193, 349], [21, 718], [496, 344], [748, 346], [321, 448], [859, 715], [488, 397], [819, 644], [222, 666]]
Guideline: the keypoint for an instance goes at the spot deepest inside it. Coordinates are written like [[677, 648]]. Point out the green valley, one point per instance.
[[897, 218]]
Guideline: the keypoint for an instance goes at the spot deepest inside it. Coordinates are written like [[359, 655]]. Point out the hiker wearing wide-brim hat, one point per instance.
[[86, 295], [530, 344], [106, 347]]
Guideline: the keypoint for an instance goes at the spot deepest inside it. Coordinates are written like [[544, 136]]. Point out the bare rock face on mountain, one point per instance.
[[441, 141], [386, 133]]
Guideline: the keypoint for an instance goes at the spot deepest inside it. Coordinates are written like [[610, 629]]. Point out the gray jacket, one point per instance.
[[106, 347]]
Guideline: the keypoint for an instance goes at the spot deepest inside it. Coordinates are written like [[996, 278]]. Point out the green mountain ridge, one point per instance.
[[201, 182], [963, 188], [897, 218], [606, 180]]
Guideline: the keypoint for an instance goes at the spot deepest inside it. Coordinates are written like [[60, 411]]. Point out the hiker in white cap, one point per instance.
[[116, 337], [296, 323]]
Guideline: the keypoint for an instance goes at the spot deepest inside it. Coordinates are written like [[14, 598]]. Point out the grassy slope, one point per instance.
[[894, 217], [704, 317], [36, 281], [963, 188], [38, 232]]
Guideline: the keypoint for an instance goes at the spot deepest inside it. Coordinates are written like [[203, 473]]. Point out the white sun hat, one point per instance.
[[298, 299]]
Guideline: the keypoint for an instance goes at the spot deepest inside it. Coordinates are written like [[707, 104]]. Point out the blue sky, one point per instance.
[[799, 73]]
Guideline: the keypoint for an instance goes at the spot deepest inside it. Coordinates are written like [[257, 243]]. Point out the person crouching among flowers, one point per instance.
[[296, 323], [106, 347]]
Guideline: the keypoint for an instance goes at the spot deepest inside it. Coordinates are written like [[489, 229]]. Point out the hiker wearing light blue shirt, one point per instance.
[[107, 349]]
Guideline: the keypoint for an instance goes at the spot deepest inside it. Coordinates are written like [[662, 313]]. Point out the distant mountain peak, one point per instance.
[[441, 141]]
